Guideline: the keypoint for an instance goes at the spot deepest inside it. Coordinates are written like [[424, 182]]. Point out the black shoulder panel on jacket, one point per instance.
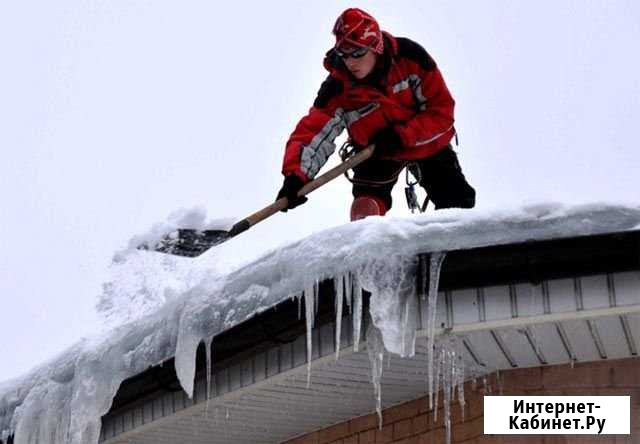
[[413, 51], [329, 89]]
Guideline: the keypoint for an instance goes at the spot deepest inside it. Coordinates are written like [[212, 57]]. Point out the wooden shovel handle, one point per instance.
[[339, 170]]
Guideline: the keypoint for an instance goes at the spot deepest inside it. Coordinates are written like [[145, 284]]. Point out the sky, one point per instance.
[[115, 114]]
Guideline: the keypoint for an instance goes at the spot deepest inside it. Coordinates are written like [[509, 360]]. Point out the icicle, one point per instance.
[[454, 372], [447, 371], [435, 264], [339, 292], [449, 376], [423, 274], [450, 372], [316, 297], [461, 374], [207, 349], [309, 302], [438, 365], [408, 329], [391, 281], [447, 412], [405, 322], [357, 312], [299, 297], [348, 287], [209, 365], [375, 350]]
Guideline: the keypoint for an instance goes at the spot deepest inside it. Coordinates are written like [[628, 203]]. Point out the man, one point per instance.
[[387, 91]]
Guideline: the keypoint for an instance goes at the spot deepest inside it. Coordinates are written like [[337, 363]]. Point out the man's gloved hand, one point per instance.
[[290, 188], [387, 141]]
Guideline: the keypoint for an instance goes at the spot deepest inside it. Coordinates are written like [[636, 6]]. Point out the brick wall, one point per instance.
[[413, 423]]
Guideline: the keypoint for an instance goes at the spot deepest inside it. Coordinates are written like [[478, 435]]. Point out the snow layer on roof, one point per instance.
[[193, 300]]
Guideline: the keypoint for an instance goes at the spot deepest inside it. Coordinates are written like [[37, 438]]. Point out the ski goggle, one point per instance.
[[355, 54]]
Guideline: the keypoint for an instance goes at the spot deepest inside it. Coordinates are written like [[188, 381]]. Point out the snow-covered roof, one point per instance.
[[64, 399]]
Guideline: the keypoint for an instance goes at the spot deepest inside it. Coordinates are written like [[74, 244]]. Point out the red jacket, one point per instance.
[[405, 90]]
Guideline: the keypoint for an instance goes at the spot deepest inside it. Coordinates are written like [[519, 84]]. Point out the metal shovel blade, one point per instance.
[[189, 242]]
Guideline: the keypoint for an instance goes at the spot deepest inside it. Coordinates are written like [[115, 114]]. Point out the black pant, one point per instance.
[[442, 179]]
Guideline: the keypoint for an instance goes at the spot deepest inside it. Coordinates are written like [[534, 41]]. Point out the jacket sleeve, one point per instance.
[[432, 126], [312, 141]]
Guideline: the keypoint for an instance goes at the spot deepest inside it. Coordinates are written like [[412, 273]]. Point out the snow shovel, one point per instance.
[[192, 243]]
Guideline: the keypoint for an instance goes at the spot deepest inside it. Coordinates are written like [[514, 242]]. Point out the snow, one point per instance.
[[192, 218], [140, 283], [159, 306]]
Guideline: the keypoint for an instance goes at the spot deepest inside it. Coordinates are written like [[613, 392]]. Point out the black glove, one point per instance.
[[387, 141], [290, 188]]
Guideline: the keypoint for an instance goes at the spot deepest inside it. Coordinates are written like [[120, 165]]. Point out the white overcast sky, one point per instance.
[[115, 113]]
